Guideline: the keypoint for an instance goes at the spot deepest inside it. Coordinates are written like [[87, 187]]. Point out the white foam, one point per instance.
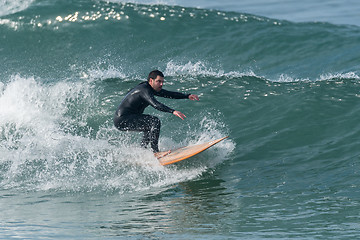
[[12, 6], [10, 23], [199, 68], [32, 121], [146, 2], [331, 76], [99, 73], [47, 144], [284, 78]]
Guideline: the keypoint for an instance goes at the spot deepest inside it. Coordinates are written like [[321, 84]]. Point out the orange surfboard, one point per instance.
[[183, 153]]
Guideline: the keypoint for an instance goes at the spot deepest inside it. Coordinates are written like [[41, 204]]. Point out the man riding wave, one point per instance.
[[129, 115]]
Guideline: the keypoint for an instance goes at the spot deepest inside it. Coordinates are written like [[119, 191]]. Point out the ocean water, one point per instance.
[[281, 78]]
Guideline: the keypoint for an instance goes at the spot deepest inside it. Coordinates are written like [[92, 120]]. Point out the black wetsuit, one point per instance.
[[129, 115]]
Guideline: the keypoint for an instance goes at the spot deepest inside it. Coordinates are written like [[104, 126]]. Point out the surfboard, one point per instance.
[[183, 153]]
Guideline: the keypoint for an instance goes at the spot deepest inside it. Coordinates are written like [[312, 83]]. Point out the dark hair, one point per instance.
[[153, 74]]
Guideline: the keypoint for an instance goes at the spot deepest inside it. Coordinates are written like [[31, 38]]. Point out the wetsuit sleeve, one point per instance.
[[169, 94], [156, 104]]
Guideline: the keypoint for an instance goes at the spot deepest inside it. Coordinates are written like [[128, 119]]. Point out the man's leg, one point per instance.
[[154, 133], [146, 139], [148, 124]]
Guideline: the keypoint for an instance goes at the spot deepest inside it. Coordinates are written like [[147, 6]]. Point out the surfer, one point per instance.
[[129, 115]]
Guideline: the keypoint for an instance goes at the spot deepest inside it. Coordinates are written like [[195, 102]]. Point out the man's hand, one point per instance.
[[193, 97], [179, 114]]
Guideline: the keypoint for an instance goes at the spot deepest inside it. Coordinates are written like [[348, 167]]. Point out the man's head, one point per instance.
[[156, 80]]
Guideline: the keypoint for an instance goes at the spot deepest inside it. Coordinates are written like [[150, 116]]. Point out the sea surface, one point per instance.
[[281, 78]]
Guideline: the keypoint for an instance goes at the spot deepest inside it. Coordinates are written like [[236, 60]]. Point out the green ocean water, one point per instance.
[[287, 94]]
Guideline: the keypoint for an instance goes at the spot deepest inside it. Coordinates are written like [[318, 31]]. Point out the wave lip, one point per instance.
[[284, 78], [199, 68]]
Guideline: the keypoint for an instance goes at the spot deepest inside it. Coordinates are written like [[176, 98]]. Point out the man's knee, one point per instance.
[[155, 122]]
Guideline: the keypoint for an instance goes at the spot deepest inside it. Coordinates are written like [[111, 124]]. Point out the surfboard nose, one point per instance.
[[183, 153]]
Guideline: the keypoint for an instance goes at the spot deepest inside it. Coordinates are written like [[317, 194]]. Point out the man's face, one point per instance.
[[157, 83]]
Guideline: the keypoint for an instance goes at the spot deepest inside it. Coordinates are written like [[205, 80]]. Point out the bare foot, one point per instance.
[[162, 154]]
